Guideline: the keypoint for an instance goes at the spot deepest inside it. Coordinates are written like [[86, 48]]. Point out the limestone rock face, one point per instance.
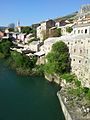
[[85, 9]]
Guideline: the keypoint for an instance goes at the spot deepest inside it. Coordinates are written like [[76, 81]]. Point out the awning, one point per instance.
[[40, 53]]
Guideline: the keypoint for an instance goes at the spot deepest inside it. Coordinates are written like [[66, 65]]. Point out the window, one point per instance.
[[85, 31], [75, 42], [81, 31], [74, 50], [79, 61], [78, 31], [88, 41], [73, 59], [87, 51], [68, 43], [86, 61], [81, 42], [80, 51], [74, 31]]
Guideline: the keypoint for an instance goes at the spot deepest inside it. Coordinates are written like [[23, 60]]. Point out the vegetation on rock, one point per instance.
[[58, 60]]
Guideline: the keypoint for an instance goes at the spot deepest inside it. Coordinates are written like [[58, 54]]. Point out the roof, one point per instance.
[[40, 53], [35, 43], [82, 25], [70, 37], [74, 37]]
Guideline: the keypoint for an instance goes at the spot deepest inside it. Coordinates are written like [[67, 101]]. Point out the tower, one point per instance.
[[18, 26], [18, 23]]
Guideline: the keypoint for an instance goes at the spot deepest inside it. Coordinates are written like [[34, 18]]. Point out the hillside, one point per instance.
[[69, 17]]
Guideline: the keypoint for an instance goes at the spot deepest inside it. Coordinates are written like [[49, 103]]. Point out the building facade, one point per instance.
[[79, 48], [43, 29]]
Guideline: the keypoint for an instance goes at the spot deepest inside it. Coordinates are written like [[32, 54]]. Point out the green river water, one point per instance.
[[27, 98]]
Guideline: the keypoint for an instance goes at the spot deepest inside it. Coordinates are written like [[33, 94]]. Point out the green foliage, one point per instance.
[[55, 33], [77, 83], [76, 92], [5, 47], [23, 61], [85, 89], [11, 29], [71, 78], [58, 59], [26, 30], [88, 95], [39, 69], [69, 29], [17, 58], [68, 77], [1, 55]]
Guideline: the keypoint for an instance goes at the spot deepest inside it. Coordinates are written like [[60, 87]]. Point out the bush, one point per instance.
[[5, 47], [68, 77], [58, 60], [69, 29], [23, 61], [88, 95], [77, 83], [39, 69], [85, 90]]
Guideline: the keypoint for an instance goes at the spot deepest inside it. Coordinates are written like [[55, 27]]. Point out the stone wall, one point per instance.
[[80, 59], [52, 78], [64, 109]]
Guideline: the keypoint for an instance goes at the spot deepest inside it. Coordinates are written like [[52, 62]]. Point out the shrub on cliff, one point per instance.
[[22, 61], [58, 60], [5, 47]]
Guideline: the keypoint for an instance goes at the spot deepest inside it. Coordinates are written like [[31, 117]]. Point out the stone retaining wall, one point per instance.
[[64, 109], [52, 78]]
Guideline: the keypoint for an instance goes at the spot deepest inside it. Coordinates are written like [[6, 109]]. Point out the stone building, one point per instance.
[[79, 49], [43, 29], [78, 43]]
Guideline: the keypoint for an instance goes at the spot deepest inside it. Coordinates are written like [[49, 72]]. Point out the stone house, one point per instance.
[[61, 23], [43, 29], [35, 46]]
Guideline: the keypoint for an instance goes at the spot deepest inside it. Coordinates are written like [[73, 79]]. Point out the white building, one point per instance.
[[35, 46], [79, 49]]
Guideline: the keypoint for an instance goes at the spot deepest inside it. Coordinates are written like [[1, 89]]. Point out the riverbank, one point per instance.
[[74, 98], [72, 110]]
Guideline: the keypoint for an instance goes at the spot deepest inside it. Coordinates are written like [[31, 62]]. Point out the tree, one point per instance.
[[11, 29], [5, 47], [69, 29], [23, 61], [26, 29], [58, 60]]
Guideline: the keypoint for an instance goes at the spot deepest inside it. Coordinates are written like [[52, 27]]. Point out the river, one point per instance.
[[27, 98]]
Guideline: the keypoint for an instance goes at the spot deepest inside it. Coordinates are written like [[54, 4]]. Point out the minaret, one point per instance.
[[18, 23], [18, 26]]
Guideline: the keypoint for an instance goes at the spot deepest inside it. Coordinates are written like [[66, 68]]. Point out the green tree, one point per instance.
[[11, 29], [58, 60], [26, 30], [69, 29], [23, 61], [58, 32], [55, 33], [5, 47]]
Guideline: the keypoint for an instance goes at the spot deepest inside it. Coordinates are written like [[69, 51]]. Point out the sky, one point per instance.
[[33, 11]]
